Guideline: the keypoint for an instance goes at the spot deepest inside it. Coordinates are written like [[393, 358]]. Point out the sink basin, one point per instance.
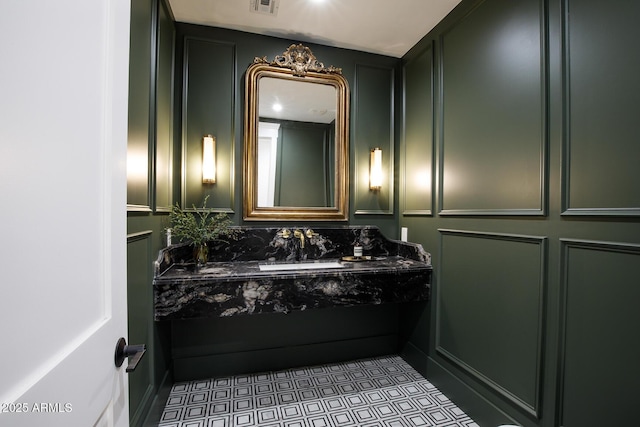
[[300, 266]]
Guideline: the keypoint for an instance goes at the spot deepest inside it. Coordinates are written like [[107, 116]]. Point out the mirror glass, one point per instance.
[[296, 136], [296, 147]]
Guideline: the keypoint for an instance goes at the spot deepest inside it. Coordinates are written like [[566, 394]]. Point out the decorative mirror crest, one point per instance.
[[300, 59]]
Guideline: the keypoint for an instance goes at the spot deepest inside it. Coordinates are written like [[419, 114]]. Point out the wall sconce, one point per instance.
[[375, 169], [208, 159]]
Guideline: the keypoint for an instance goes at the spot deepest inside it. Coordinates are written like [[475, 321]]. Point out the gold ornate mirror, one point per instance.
[[296, 146]]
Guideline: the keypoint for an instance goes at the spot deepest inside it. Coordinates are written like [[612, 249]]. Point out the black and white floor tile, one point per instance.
[[378, 392]]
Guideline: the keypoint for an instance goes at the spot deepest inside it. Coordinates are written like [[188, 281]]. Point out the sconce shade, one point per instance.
[[208, 159], [375, 171]]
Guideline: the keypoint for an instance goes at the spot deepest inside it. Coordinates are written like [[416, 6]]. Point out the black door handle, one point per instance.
[[135, 352]]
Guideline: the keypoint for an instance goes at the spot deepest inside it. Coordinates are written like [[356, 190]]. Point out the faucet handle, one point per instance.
[[285, 232], [310, 233]]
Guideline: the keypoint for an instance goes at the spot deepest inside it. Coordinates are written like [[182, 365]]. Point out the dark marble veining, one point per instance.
[[232, 283]]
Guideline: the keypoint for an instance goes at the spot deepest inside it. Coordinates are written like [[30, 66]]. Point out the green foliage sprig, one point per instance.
[[201, 225]]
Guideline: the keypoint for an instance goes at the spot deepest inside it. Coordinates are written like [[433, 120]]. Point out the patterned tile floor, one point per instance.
[[378, 392]]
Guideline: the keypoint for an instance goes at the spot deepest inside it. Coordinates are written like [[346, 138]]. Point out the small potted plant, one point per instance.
[[199, 227]]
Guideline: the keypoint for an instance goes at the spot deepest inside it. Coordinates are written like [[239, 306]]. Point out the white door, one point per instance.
[[63, 132]]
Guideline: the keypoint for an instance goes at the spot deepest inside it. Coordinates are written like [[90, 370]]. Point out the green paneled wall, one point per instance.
[[417, 151], [516, 155], [599, 363], [493, 137], [164, 150], [140, 66], [535, 232], [149, 384], [602, 134], [140, 307], [150, 190], [219, 65], [489, 310], [207, 108], [372, 125]]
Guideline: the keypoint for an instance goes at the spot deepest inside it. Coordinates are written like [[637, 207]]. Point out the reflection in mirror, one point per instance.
[[296, 139], [296, 136]]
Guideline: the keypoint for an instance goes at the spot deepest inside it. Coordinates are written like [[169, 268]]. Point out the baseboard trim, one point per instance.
[[415, 357], [143, 408], [159, 401], [478, 407]]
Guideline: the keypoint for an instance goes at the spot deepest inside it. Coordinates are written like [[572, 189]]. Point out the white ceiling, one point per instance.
[[300, 101], [387, 27]]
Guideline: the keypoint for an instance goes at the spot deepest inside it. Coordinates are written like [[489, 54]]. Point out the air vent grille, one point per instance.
[[265, 7]]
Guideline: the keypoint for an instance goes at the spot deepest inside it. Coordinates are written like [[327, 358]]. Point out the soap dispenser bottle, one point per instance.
[[357, 250]]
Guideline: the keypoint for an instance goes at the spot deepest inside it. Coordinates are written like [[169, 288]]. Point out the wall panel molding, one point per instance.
[[600, 101], [417, 180], [372, 125], [208, 107], [138, 208], [598, 366], [140, 320], [493, 78], [490, 308], [163, 110], [132, 237], [141, 99]]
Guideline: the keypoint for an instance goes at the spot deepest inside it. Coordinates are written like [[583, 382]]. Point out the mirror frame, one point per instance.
[[298, 64]]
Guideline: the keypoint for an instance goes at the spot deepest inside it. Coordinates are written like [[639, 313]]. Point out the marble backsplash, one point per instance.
[[270, 244]]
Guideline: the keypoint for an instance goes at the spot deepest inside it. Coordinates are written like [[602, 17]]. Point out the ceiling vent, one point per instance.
[[265, 7]]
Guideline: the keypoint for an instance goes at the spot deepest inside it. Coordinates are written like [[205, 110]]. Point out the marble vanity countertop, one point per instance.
[[233, 270], [223, 289], [232, 283]]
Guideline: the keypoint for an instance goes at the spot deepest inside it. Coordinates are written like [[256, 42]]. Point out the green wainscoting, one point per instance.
[[149, 384], [599, 363], [535, 231], [140, 307], [150, 191], [490, 309]]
